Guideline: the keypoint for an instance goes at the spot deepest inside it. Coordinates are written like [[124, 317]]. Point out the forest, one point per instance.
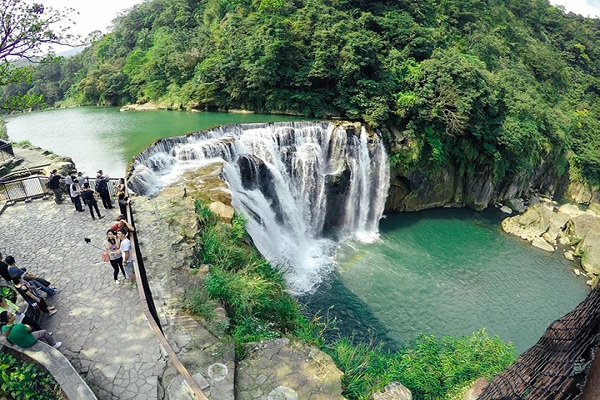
[[500, 85]]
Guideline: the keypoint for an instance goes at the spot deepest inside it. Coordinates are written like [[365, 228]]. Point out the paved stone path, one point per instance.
[[102, 326]]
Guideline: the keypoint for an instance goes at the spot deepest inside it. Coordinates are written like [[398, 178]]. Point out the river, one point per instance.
[[434, 272], [106, 138]]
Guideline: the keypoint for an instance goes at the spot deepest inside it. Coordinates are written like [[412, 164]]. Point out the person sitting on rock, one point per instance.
[[39, 283], [20, 317], [22, 335], [31, 296]]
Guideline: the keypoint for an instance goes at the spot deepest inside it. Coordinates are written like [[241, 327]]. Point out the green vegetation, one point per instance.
[[254, 296], [21, 380], [504, 87], [430, 368]]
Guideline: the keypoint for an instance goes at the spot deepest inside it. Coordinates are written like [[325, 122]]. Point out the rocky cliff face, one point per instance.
[[413, 190]]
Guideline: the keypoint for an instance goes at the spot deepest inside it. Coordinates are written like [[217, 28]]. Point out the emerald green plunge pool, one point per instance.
[[447, 272]]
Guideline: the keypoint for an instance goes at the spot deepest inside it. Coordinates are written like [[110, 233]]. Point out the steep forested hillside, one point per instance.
[[499, 84]]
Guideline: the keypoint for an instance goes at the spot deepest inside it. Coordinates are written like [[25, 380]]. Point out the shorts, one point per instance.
[[129, 268]]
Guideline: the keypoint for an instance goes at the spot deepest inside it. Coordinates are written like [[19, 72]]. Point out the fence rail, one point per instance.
[[32, 187]]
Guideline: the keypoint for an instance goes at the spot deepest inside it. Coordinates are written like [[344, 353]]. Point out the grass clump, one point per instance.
[[251, 289], [255, 298], [431, 368]]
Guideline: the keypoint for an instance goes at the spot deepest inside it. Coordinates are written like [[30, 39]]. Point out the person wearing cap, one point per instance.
[[102, 189], [22, 335]]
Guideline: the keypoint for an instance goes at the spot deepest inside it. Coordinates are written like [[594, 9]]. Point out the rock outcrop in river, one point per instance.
[[549, 227]]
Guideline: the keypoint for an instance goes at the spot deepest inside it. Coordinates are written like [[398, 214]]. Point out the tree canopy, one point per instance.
[[501, 85], [27, 30]]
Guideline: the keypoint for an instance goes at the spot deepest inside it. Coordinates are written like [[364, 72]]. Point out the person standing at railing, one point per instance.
[[54, 185], [102, 189], [76, 195], [90, 200]]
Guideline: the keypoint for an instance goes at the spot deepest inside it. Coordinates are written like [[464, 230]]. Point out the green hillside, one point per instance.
[[496, 85]]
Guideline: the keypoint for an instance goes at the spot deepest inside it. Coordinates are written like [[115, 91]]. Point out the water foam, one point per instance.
[[304, 187]]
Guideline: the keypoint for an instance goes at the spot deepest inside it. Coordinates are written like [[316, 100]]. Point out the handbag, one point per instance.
[[35, 305], [105, 257]]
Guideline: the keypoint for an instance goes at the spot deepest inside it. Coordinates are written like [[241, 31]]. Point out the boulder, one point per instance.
[[569, 255], [393, 391], [557, 225], [506, 210], [533, 223], [516, 204], [595, 208], [582, 193], [224, 211], [476, 389], [584, 230], [570, 209], [540, 243]]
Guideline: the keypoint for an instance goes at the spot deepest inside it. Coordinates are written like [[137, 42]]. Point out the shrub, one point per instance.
[[22, 380]]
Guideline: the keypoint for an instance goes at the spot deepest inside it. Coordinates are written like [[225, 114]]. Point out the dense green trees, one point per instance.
[[494, 85]]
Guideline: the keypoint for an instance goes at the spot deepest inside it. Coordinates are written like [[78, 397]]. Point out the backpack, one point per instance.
[[101, 185]]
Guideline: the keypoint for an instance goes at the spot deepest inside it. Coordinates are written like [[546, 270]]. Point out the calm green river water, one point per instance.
[[105, 138], [436, 272]]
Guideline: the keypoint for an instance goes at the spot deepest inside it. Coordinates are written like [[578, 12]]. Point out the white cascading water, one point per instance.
[[303, 186]]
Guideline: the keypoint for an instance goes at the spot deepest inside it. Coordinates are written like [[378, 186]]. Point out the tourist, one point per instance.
[[75, 195], [121, 186], [121, 223], [102, 189], [123, 202], [54, 185], [32, 298], [125, 251], [4, 270], [12, 309], [112, 245], [39, 283], [23, 335], [68, 182], [90, 200]]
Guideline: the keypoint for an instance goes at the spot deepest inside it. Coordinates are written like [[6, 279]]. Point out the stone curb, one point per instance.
[[61, 369]]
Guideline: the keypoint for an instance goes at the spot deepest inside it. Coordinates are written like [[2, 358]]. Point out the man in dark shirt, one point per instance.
[[54, 185], [102, 189], [4, 269]]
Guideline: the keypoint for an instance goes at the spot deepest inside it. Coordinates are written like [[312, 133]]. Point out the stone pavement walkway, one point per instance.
[[102, 326]]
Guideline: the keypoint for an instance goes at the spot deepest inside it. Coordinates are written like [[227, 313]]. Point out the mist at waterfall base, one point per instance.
[[304, 187]]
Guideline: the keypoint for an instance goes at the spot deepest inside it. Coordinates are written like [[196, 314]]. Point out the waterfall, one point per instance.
[[304, 186]]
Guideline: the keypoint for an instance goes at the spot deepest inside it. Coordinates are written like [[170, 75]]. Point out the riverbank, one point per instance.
[[565, 228]]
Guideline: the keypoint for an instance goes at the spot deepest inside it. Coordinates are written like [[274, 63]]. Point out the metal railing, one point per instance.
[[32, 187], [23, 189]]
